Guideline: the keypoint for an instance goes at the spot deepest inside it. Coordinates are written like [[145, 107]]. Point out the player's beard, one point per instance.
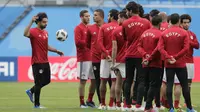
[[43, 26], [186, 28]]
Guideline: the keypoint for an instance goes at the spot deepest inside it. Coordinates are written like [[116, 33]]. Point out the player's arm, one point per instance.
[[140, 48], [124, 32], [55, 50], [100, 41], [78, 41], [155, 50], [194, 43], [152, 55], [27, 29], [185, 48], [114, 48], [88, 39], [161, 48]]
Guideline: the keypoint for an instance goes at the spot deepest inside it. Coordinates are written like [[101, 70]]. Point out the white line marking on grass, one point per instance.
[[53, 98]]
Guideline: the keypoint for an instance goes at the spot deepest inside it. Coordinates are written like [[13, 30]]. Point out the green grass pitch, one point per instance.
[[57, 97]]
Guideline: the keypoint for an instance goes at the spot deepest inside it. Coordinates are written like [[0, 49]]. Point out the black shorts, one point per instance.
[[41, 73]]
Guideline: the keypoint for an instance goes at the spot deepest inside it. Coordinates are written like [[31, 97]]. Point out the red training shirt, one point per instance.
[[39, 44], [121, 46], [132, 30], [80, 36], [193, 43], [92, 39], [105, 38], [174, 42], [148, 45]]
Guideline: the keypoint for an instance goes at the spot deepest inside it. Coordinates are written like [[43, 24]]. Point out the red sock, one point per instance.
[[103, 101], [82, 100], [137, 106], [166, 104], [90, 97], [176, 104], [133, 102], [163, 100], [124, 103], [111, 101], [118, 103]]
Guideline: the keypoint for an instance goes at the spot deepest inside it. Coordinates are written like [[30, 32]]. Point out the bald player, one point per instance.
[[164, 24]]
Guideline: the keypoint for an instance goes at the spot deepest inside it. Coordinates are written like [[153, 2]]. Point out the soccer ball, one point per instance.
[[61, 35]]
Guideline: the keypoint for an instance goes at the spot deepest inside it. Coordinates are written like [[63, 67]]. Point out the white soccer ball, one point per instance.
[[61, 35]]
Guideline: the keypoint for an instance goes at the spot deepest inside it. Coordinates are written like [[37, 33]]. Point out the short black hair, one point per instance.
[[185, 16], [154, 12], [40, 16], [156, 20], [175, 18], [123, 14], [169, 18], [100, 11], [132, 6], [83, 12], [114, 13], [146, 16], [141, 10]]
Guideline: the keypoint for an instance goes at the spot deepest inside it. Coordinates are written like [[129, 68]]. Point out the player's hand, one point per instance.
[[145, 62], [34, 19], [60, 53], [147, 56], [112, 67], [172, 60], [109, 58]]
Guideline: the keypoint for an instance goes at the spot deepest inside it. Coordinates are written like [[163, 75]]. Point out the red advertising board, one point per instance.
[[197, 69], [63, 69]]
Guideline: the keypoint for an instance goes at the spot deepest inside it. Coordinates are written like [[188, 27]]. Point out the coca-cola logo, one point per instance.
[[60, 71]]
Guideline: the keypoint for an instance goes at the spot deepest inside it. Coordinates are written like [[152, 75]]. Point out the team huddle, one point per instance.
[[141, 56]]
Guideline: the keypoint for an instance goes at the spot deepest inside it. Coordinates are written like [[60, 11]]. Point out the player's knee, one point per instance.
[[177, 91], [83, 82]]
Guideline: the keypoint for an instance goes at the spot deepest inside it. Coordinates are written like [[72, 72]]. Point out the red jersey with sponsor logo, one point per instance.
[[132, 30], [105, 38], [92, 39], [193, 43], [121, 46], [80, 36], [164, 26], [39, 44], [148, 45], [174, 42]]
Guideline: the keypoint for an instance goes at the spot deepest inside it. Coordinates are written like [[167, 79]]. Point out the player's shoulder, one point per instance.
[[192, 33], [78, 27], [127, 21], [183, 31], [117, 29], [105, 25], [33, 29]]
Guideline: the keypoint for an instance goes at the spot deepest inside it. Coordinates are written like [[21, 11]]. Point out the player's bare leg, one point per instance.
[[133, 93], [82, 93], [163, 95], [118, 88], [103, 93], [91, 93], [112, 95], [177, 95]]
